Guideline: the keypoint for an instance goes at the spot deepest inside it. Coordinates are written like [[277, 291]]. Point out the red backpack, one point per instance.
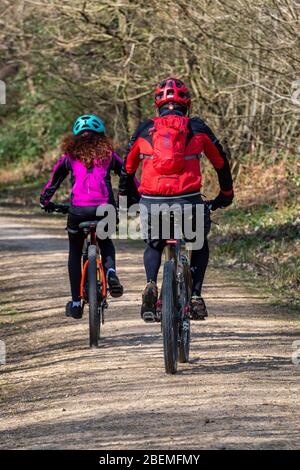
[[169, 140]]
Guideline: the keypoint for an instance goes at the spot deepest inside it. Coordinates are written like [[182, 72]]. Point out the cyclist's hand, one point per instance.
[[222, 200], [48, 207], [64, 209]]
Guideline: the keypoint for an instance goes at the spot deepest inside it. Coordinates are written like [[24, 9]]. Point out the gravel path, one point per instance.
[[240, 390]]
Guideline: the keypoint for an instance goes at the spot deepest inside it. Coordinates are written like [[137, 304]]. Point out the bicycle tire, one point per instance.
[[184, 330], [94, 310], [169, 321], [184, 341]]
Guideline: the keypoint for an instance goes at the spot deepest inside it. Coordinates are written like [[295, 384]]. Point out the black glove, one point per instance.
[[128, 187], [221, 201], [48, 207]]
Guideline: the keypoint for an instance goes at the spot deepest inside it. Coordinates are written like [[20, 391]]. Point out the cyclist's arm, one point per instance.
[[117, 165], [131, 161], [218, 159], [60, 171], [214, 151]]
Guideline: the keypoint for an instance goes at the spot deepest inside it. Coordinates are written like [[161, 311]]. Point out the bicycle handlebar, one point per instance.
[[208, 204], [59, 208], [63, 208]]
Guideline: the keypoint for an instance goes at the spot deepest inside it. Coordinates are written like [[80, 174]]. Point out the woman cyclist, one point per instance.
[[89, 158]]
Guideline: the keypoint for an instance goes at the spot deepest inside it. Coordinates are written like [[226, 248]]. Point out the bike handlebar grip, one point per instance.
[[63, 208]]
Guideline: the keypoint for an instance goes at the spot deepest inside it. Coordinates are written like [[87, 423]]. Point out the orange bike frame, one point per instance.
[[100, 274]]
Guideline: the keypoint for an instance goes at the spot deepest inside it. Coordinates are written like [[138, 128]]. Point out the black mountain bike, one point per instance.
[[93, 288], [175, 305]]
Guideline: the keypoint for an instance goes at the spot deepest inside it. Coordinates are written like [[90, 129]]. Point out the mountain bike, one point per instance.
[[93, 288], [174, 305]]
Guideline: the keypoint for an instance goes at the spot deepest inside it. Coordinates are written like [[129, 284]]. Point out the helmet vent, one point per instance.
[[170, 92], [162, 84]]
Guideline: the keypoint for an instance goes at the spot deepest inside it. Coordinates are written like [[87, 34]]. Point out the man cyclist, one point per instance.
[[169, 147]]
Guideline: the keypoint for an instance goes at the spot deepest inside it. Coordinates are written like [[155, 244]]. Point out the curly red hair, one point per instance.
[[90, 148]]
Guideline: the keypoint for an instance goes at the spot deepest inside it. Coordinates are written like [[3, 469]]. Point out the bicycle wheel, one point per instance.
[[184, 329], [184, 340], [169, 321], [94, 308]]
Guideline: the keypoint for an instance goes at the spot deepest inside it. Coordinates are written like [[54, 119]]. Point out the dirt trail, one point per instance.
[[241, 389]]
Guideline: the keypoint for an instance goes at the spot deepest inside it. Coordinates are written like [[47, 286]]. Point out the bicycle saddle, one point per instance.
[[88, 224]]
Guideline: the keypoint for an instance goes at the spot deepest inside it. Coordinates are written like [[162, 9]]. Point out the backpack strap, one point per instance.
[[143, 156], [192, 157]]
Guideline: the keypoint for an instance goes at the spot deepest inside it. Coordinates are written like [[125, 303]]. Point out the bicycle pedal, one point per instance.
[[149, 317]]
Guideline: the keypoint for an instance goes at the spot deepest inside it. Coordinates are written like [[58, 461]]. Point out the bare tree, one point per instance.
[[240, 58]]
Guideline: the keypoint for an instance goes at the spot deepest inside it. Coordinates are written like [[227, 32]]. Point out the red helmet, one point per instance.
[[172, 89]]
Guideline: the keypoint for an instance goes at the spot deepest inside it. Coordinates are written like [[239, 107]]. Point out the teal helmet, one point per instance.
[[88, 122]]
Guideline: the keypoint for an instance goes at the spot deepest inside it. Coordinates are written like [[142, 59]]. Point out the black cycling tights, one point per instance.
[[75, 251], [199, 262]]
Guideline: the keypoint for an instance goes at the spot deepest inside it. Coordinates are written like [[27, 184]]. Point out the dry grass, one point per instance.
[[257, 183]]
